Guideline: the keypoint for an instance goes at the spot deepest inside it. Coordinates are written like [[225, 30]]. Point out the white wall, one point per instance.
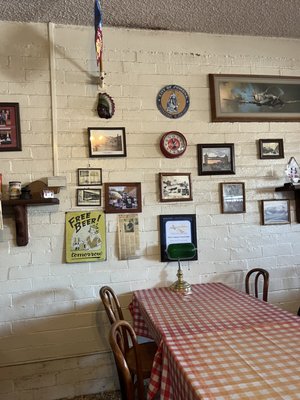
[[53, 329]]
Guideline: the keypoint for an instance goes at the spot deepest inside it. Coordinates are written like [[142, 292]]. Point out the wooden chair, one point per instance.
[[131, 365], [258, 272], [147, 350]]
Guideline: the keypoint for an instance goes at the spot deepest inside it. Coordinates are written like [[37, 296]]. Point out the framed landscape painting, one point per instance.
[[271, 148], [254, 98], [216, 159], [276, 212], [107, 142]]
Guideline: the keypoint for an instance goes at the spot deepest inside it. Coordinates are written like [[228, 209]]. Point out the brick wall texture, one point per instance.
[[52, 325]]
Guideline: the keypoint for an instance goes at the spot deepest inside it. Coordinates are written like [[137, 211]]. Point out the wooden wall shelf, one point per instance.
[[292, 188], [20, 212]]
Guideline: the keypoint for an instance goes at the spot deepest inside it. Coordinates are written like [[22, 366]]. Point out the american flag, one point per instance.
[[98, 32]]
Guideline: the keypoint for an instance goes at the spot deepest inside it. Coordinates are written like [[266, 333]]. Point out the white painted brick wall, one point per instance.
[[51, 310]]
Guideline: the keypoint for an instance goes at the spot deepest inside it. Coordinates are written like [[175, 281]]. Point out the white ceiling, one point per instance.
[[277, 18]]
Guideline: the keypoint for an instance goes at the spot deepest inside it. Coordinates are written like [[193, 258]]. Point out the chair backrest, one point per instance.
[[121, 333], [111, 304], [258, 272]]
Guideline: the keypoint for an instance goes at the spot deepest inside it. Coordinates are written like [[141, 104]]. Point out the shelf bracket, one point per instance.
[[20, 212]]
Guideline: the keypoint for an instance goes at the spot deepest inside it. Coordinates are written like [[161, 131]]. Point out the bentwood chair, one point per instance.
[[256, 273], [131, 365], [146, 350]]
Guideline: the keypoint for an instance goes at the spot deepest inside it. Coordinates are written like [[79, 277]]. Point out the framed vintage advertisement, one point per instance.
[[233, 197], [276, 212], [89, 176], [85, 236], [270, 148], [107, 142], [177, 229], [254, 98], [216, 159], [123, 197], [10, 131], [175, 187], [89, 197]]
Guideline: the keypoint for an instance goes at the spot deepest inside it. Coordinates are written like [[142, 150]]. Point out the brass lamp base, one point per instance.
[[181, 287]]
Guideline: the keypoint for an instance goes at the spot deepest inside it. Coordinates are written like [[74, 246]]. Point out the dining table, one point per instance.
[[218, 343]]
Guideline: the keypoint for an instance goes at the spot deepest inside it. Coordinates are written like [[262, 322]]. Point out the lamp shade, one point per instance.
[[181, 251]]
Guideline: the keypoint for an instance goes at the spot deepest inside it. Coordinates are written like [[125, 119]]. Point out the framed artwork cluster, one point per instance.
[[91, 195]]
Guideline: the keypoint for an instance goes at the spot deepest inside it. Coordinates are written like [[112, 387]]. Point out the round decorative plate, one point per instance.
[[173, 144], [173, 101]]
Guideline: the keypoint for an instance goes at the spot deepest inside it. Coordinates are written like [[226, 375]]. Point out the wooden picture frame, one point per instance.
[[89, 176], [88, 197], [276, 212], [123, 197], [107, 142], [270, 149], [175, 186], [257, 98], [233, 197], [177, 229], [10, 131], [216, 159]]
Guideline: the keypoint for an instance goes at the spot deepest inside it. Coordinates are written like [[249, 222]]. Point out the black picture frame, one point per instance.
[[259, 98], [107, 142], [233, 197], [89, 176], [216, 159], [177, 229], [87, 197], [276, 212], [270, 149], [10, 129]]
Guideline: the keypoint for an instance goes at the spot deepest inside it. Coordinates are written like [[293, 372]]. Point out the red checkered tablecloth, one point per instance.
[[213, 307], [261, 362]]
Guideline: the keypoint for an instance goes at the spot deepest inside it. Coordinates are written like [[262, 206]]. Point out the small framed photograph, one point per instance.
[[89, 197], [123, 197], [216, 159], [233, 197], [107, 142], [276, 212], [177, 229], [271, 148], [89, 176], [175, 187], [10, 131]]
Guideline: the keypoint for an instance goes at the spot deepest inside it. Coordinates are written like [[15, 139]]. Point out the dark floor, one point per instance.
[[99, 396]]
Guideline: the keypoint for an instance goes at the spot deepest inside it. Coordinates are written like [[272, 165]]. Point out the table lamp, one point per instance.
[[181, 251]]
